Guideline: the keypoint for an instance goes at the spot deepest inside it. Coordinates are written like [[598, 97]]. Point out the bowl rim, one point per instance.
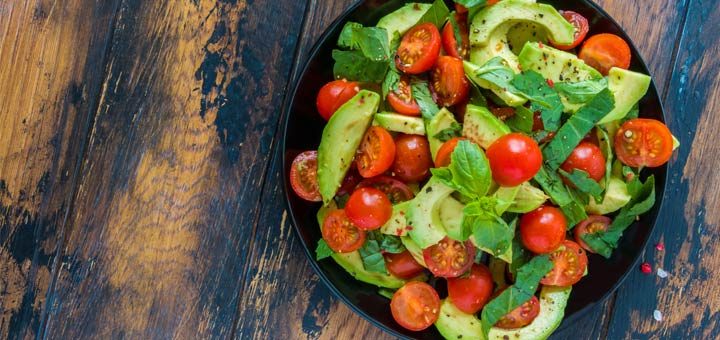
[[287, 105]]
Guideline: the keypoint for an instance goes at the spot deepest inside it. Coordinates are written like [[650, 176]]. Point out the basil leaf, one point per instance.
[[522, 120], [346, 39], [370, 252], [471, 3], [353, 65], [552, 184], [583, 91], [323, 250], [436, 14], [391, 244], [421, 93], [371, 41], [391, 81], [606, 145], [456, 28], [542, 98], [520, 256], [575, 129], [492, 234], [455, 130], [470, 169], [476, 97], [582, 181], [633, 113], [497, 72]]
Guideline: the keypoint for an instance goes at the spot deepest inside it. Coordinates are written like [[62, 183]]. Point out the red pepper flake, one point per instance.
[[646, 268], [551, 83], [540, 44], [398, 232], [660, 246], [408, 228]]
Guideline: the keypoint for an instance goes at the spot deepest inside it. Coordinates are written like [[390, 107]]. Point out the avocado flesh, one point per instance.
[[403, 19], [616, 197], [451, 215], [414, 249], [441, 121], [397, 224], [554, 64], [400, 123], [628, 87], [482, 127], [423, 215], [456, 324], [341, 137], [506, 197], [528, 198]]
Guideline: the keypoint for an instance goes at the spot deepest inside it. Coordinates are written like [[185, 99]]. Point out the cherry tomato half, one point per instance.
[[395, 190], [376, 152], [368, 208], [351, 180], [449, 39], [448, 83], [569, 263], [340, 234], [591, 225], [521, 316], [469, 294], [415, 306], [581, 29], [604, 51], [419, 49], [586, 157], [402, 100], [460, 8], [333, 95], [303, 176], [445, 151], [543, 229], [514, 159], [449, 258], [403, 265], [643, 142], [412, 158]]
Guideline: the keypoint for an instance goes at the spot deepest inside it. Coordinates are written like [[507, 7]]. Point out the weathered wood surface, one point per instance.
[[140, 184]]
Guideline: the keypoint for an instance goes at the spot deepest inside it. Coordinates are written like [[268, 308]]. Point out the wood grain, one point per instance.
[[51, 58]]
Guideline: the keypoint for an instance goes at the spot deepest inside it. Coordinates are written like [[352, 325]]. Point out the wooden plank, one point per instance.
[[688, 224], [168, 191], [51, 65]]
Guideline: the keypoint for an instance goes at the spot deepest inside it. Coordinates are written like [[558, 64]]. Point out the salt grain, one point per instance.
[[661, 273], [657, 315]]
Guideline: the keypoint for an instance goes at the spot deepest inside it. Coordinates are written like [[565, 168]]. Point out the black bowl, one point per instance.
[[303, 128]]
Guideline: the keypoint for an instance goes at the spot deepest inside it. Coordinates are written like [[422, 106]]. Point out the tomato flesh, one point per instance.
[[403, 265], [586, 157], [333, 95], [368, 208], [341, 234], [449, 258], [376, 152], [569, 263], [521, 316], [643, 142], [605, 51], [303, 176], [415, 306], [444, 154], [402, 101], [419, 49], [591, 225], [514, 159], [395, 190], [449, 40], [471, 293], [448, 82], [581, 29], [412, 158], [543, 229]]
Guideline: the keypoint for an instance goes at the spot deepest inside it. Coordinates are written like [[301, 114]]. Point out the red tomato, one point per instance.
[[448, 83], [503, 112], [543, 229], [403, 265], [376, 152], [591, 225], [368, 208], [333, 95], [395, 190], [643, 142], [340, 234], [412, 158], [514, 159], [471, 293], [449, 258], [581, 29], [419, 49], [444, 154], [604, 51], [492, 2], [415, 306], [586, 157], [569, 263], [402, 99], [449, 40], [521, 316], [303, 176], [460, 9]]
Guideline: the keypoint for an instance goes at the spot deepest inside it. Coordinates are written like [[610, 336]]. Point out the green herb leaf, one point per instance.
[[371, 254], [633, 113], [522, 120], [421, 93], [471, 3], [497, 72], [455, 130], [470, 169], [455, 26], [553, 185], [371, 41], [476, 97], [346, 39], [437, 14], [492, 234], [582, 181], [391, 244], [391, 81], [583, 91], [353, 65], [323, 250], [542, 98], [520, 256], [606, 146]]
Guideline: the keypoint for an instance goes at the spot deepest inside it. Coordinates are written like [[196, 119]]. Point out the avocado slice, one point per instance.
[[414, 249], [456, 324], [402, 20], [441, 121], [451, 215], [554, 64], [628, 87], [400, 123], [397, 224], [616, 197], [341, 137], [506, 198], [528, 198], [482, 127], [423, 215]]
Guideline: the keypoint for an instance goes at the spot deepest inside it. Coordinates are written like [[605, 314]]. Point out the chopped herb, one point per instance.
[[421, 93], [583, 91], [542, 98], [522, 120], [436, 14], [582, 181], [323, 250], [455, 130]]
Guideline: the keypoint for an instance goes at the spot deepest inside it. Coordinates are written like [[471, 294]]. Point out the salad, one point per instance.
[[491, 147]]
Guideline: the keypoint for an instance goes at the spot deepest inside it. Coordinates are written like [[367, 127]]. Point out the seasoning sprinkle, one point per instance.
[[646, 268], [657, 315], [662, 273]]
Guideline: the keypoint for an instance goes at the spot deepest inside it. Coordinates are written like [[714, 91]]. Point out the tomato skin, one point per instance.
[[403, 265], [395, 190], [461, 9], [470, 294], [351, 180], [368, 208], [443, 157], [521, 316], [415, 306], [543, 229], [604, 51], [591, 225], [333, 95], [514, 159], [412, 158], [303, 176], [450, 43], [376, 152], [643, 142], [456, 256], [586, 157], [569, 263], [448, 83], [419, 49], [581, 29], [340, 234], [402, 100]]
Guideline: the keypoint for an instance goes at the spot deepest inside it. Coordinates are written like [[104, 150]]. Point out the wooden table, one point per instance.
[[140, 175]]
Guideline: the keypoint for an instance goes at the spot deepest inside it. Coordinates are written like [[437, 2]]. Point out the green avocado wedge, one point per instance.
[[403, 19], [628, 88], [400, 123], [442, 120], [340, 139], [482, 127], [423, 214]]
